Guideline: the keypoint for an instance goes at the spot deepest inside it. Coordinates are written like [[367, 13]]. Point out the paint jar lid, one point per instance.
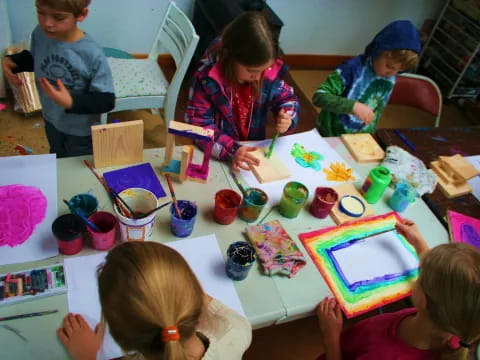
[[351, 205]]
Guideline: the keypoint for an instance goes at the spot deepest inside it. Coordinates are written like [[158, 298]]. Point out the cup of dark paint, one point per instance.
[[226, 206], [253, 203], [323, 202], [107, 224], [68, 229], [183, 226], [86, 203], [240, 258]]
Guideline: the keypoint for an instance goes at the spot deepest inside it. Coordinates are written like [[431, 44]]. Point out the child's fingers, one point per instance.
[[100, 329], [74, 322], [62, 336], [60, 85], [81, 321]]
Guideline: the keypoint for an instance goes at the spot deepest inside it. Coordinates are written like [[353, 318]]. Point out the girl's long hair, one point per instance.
[[450, 279], [145, 287]]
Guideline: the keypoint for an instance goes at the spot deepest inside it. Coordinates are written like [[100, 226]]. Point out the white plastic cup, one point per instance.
[[140, 201]]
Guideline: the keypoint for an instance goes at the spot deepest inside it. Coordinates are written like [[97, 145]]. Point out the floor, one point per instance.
[[295, 340]]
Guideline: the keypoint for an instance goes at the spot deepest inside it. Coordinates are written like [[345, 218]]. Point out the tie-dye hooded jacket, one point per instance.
[[209, 103], [356, 80]]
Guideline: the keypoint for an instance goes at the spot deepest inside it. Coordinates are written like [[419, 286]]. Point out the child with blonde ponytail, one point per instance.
[[444, 324], [155, 307]]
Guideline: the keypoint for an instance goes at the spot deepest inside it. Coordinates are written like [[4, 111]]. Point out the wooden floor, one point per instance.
[[292, 341]]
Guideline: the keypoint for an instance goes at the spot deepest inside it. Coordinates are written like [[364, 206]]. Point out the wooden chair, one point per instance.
[[419, 92], [140, 83]]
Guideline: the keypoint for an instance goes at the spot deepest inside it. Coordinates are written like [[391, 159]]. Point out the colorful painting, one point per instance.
[[464, 228], [343, 255], [339, 172], [22, 209], [306, 159]]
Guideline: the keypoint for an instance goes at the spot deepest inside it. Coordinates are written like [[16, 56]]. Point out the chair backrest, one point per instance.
[[178, 36], [418, 91]]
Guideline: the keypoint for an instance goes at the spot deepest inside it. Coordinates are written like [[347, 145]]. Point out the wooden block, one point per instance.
[[442, 173], [451, 190], [269, 169], [363, 147], [190, 131], [187, 154], [459, 166], [117, 144], [348, 189]]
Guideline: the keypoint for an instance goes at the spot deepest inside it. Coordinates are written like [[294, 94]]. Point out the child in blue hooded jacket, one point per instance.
[[354, 95]]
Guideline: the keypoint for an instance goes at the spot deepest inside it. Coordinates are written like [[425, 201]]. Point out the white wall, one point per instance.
[[130, 25], [343, 27], [5, 37], [337, 27]]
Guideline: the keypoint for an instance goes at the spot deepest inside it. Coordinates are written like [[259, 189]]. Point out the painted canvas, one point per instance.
[[343, 255], [464, 228], [140, 176], [305, 155], [28, 207]]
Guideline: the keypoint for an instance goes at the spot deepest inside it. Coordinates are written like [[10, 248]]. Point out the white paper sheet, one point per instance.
[[39, 171], [312, 141], [373, 257], [475, 182], [203, 255]]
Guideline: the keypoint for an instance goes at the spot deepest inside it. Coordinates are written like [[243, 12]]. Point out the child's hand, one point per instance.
[[81, 342], [60, 96], [363, 112], [330, 320], [411, 232], [283, 121], [8, 65], [243, 159]]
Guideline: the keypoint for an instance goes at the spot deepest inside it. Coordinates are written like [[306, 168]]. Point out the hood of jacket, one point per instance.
[[400, 34]]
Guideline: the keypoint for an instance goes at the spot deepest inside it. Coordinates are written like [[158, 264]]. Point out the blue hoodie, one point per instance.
[[356, 80]]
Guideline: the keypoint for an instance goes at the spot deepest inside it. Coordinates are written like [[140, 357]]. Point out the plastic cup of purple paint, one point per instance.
[[183, 227]]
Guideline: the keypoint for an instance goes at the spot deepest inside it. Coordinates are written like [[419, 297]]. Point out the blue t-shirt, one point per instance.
[[82, 67]]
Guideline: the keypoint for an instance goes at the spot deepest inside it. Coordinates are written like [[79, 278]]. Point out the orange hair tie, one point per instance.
[[170, 333]]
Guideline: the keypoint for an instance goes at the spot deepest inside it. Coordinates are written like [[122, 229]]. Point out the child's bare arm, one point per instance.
[[411, 232], [331, 321]]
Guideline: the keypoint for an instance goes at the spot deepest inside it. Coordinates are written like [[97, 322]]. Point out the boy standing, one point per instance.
[[355, 94], [73, 77]]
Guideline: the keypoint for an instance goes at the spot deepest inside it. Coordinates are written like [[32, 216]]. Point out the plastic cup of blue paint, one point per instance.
[[403, 195], [240, 258], [183, 227], [86, 203]]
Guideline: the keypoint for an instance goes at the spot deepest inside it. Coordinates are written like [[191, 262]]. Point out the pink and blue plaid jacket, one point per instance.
[[209, 104]]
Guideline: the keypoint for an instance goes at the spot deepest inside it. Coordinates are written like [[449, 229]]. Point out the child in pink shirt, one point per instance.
[[444, 323]]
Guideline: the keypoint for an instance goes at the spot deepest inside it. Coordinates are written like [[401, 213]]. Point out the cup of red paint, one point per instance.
[[226, 206], [68, 229], [107, 224], [323, 202]]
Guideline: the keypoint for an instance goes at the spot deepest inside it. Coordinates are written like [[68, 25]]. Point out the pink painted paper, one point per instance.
[[22, 208], [464, 228]]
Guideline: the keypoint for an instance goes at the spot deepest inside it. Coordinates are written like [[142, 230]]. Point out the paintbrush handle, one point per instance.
[[82, 216], [272, 144], [23, 316], [240, 186], [130, 212], [175, 203]]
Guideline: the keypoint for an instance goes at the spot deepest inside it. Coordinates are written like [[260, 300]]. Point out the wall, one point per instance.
[[5, 37], [343, 27], [121, 24], [340, 27]]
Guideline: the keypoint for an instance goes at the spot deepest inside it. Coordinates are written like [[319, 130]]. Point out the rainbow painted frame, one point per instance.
[[363, 296]]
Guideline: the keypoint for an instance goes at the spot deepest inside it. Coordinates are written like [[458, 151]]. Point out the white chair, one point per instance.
[[140, 83]]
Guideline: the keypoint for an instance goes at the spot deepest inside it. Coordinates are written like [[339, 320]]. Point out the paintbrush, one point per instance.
[[152, 211], [272, 144], [119, 205], [82, 216], [370, 235], [131, 213], [240, 186], [175, 203]]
